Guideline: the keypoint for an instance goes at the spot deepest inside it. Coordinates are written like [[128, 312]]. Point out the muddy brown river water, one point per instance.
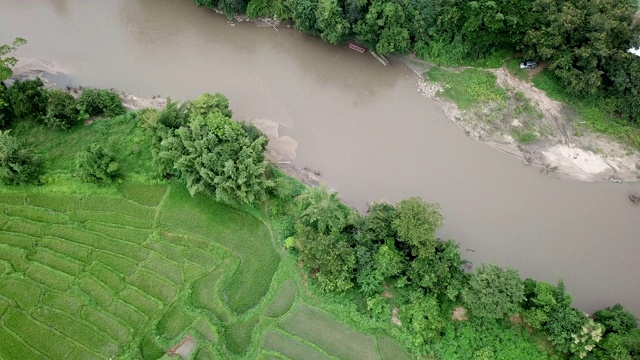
[[366, 128]]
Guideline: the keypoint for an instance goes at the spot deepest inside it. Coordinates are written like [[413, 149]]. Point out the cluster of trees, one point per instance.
[[391, 257], [199, 143], [585, 42]]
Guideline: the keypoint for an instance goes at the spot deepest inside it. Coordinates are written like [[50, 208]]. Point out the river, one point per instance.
[[366, 128]]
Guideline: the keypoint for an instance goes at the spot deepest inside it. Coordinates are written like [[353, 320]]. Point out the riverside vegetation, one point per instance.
[[124, 234], [581, 44]]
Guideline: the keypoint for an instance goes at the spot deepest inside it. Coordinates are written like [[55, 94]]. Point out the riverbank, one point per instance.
[[561, 149]]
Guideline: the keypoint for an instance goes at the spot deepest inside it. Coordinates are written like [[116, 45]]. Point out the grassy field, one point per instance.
[[130, 275]]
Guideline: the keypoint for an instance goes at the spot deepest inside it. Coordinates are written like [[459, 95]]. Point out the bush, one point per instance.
[[6, 112], [96, 164], [28, 99], [62, 112], [18, 163], [94, 102]]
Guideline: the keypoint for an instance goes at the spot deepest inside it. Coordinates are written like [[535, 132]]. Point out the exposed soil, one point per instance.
[[184, 349], [563, 148], [459, 314]]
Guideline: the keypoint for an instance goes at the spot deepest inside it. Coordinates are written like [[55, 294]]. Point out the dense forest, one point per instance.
[[584, 42]]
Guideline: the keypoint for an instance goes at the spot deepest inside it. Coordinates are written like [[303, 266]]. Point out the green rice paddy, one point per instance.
[[129, 276]]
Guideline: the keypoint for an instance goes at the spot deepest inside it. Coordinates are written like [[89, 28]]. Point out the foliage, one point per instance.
[[616, 320], [6, 62], [331, 22], [28, 100], [322, 211], [573, 332], [62, 112], [6, 112], [579, 37], [330, 258], [416, 225], [494, 293], [385, 27], [94, 102], [96, 164], [422, 313], [488, 339], [467, 87], [18, 163], [211, 152]]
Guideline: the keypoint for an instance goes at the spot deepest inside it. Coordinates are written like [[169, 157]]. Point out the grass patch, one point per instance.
[[75, 251], [468, 87], [22, 241], [524, 137], [107, 276], [292, 349], [595, 112], [390, 350], [83, 216], [120, 264], [239, 335], [513, 65], [12, 348], [58, 202], [148, 195], [77, 330], [136, 236], [173, 323], [52, 343], [15, 256], [121, 133], [163, 267], [55, 261], [250, 241], [37, 214], [24, 226], [127, 314], [11, 198], [105, 323], [328, 334], [49, 277], [97, 292], [140, 301], [63, 302], [282, 302], [120, 206], [24, 293]]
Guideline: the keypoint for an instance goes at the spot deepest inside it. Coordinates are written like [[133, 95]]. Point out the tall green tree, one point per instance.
[[18, 162], [331, 21], [416, 225], [386, 27], [579, 37], [494, 292], [7, 62]]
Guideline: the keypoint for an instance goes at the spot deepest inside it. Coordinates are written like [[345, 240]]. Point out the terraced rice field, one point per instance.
[[98, 277]]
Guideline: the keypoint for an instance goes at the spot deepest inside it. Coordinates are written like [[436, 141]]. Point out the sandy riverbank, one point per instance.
[[559, 151]]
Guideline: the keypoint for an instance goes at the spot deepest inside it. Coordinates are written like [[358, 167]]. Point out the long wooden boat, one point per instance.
[[357, 48]]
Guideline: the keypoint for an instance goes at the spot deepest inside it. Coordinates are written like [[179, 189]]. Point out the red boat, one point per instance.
[[357, 48]]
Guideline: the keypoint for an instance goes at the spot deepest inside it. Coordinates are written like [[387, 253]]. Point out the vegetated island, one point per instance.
[[157, 233]]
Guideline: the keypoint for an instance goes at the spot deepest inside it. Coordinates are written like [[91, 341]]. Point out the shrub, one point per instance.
[[6, 112], [18, 163], [28, 99], [96, 164], [62, 112], [94, 102]]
